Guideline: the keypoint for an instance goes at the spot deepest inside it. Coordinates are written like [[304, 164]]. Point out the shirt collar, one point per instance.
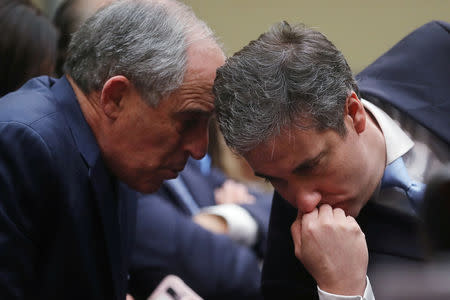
[[397, 141]]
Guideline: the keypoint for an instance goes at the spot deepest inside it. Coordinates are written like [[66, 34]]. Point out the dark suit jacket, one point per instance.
[[169, 242], [414, 77], [59, 206]]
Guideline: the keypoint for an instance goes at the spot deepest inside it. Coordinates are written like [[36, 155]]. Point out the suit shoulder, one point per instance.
[[34, 106], [31, 102]]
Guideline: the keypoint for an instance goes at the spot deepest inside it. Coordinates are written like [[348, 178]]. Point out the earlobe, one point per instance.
[[113, 92], [355, 110]]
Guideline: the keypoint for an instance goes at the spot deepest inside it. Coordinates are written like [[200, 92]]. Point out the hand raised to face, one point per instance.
[[333, 249]]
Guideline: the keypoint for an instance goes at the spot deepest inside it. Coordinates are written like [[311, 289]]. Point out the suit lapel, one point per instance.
[[391, 232], [107, 206], [128, 205]]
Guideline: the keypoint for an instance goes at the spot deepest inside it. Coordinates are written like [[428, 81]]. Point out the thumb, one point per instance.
[[296, 233]]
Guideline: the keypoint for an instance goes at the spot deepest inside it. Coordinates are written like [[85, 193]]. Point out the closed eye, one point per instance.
[[190, 120], [267, 179], [310, 165]]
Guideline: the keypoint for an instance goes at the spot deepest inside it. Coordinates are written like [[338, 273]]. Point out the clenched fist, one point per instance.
[[333, 249]]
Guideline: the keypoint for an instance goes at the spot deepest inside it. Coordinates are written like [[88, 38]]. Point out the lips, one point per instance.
[[173, 173], [177, 170]]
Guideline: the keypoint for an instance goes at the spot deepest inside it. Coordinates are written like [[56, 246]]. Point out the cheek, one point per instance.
[[282, 189], [344, 169], [335, 180], [169, 152], [160, 140], [173, 143]]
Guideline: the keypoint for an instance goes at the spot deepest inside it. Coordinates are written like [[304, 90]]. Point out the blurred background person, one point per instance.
[[28, 44], [68, 17]]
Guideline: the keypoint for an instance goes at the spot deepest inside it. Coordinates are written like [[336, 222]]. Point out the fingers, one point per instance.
[[326, 210], [308, 225], [339, 214], [310, 217], [354, 225], [332, 248], [326, 214], [233, 192]]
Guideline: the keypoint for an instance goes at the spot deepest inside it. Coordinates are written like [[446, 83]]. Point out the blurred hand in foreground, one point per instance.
[[233, 192]]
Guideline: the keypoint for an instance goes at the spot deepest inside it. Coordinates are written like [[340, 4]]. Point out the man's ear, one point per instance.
[[354, 109], [113, 92]]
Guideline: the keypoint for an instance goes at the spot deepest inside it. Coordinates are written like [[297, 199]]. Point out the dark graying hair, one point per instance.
[[145, 41], [290, 76]]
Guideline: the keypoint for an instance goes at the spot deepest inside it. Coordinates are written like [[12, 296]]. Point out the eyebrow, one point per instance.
[[309, 162], [304, 165]]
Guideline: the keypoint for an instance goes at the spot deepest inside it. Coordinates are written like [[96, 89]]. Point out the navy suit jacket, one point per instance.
[[60, 208], [169, 242], [414, 77]]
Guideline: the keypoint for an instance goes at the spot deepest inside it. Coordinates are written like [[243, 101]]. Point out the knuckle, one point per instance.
[[327, 225], [293, 227], [309, 228]]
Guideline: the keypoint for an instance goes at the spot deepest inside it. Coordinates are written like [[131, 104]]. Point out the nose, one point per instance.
[[307, 199], [197, 142]]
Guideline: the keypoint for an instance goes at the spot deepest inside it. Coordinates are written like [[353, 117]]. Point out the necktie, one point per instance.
[[179, 188], [396, 175]]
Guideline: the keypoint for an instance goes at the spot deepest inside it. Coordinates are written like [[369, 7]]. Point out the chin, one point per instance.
[[349, 208], [149, 189], [354, 210], [146, 187]]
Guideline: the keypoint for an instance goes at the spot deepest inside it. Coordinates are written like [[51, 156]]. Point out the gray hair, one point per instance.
[[290, 76], [145, 41]]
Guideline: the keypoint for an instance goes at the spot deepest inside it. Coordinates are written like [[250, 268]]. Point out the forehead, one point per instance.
[[287, 149], [195, 93], [203, 59], [193, 96]]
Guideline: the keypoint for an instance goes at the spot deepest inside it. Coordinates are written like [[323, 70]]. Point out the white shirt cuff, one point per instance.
[[368, 294], [242, 228]]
